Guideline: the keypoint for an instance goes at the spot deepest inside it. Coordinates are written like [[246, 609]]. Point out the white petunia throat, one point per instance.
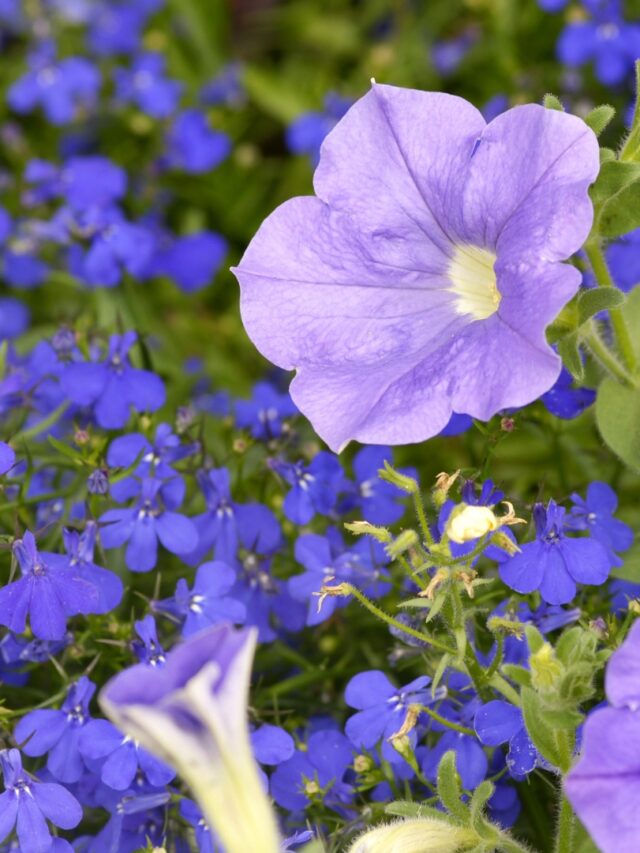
[[473, 281]]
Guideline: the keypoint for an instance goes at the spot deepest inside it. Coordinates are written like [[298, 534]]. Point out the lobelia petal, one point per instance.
[[524, 572], [99, 738], [31, 827], [8, 813], [586, 560], [142, 551], [39, 731], [120, 768], [367, 727], [48, 616], [497, 722], [84, 383], [57, 804], [15, 600], [557, 586], [603, 787], [177, 533]]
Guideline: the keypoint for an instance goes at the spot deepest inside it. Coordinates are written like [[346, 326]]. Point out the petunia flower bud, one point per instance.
[[415, 835], [468, 522], [545, 668], [192, 714]]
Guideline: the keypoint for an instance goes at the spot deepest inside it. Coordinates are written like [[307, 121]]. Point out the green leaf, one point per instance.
[[562, 718], [631, 148], [632, 316], [569, 352], [630, 569], [592, 302], [519, 674], [538, 728], [445, 660], [613, 177], [66, 450], [449, 789], [599, 118], [552, 102], [405, 808], [618, 419], [607, 154], [535, 639], [621, 214], [479, 800]]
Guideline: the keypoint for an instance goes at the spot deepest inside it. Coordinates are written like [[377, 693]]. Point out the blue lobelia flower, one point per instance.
[[623, 257], [14, 318], [316, 773], [190, 811], [565, 399], [148, 648], [378, 502], [382, 708], [266, 412], [57, 732], [607, 41], [314, 487], [191, 261], [220, 525], [59, 87], [155, 457], [226, 88], [622, 592], [327, 562], [207, 603], [555, 563], [193, 146], [146, 85], [120, 757], [595, 514], [151, 518], [112, 387], [138, 817], [48, 594], [28, 805], [604, 786], [7, 458], [306, 134], [115, 26], [79, 559], [499, 722]]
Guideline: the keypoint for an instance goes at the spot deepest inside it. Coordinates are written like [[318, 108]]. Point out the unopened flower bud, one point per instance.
[[401, 481], [362, 764], [468, 522], [599, 627], [415, 835], [545, 668], [98, 482], [505, 542], [360, 528], [407, 539]]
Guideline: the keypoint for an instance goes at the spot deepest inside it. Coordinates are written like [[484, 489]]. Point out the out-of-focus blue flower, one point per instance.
[[84, 182], [115, 26], [146, 522], [48, 594], [192, 261], [554, 563], [498, 722], [314, 487], [622, 592], [610, 43], [59, 87], [28, 805], [137, 818], [623, 257], [7, 457], [316, 773], [57, 733], [207, 603], [446, 56], [227, 88], [327, 562], [265, 412], [146, 85], [112, 387], [14, 318], [306, 134], [595, 514], [494, 107], [565, 400], [382, 708], [190, 811], [193, 145]]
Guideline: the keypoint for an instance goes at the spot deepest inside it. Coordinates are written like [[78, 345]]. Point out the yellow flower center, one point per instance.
[[473, 280]]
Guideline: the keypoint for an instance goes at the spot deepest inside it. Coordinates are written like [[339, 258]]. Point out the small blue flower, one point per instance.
[[610, 43], [192, 261], [28, 805], [193, 146], [554, 563], [57, 733], [306, 134], [498, 722], [623, 257], [595, 514], [147, 648], [565, 399], [7, 458], [14, 318], [48, 594], [378, 502], [314, 487], [264, 414], [146, 86]]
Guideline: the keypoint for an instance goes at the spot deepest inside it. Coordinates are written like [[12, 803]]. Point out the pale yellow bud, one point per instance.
[[545, 668], [471, 522], [415, 835]]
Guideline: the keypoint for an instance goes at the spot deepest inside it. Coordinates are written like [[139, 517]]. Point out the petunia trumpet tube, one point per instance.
[[192, 714], [419, 280]]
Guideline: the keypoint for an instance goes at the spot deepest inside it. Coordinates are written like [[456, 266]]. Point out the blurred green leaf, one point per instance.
[[618, 419]]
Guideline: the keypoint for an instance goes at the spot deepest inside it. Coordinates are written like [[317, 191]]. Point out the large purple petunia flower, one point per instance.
[[421, 278], [604, 786]]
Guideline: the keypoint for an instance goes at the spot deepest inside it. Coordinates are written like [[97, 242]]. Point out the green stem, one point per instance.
[[603, 278], [412, 632], [606, 358], [498, 683], [448, 723], [566, 827], [422, 518]]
